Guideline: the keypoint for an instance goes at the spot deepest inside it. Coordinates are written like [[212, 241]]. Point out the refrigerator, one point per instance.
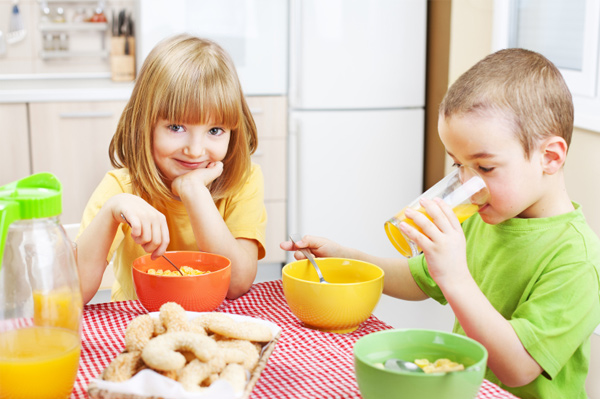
[[356, 117]]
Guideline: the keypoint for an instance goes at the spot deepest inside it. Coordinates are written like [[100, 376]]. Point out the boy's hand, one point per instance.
[[442, 241], [202, 176], [148, 226], [318, 246]]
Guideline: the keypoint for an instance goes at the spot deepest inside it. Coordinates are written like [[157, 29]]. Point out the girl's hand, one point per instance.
[[318, 246], [148, 226], [201, 176], [442, 241]]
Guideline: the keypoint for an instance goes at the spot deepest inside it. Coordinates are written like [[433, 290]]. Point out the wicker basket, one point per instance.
[[95, 392]]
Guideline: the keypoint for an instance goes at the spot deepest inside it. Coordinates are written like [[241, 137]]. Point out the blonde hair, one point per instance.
[[523, 87], [184, 80]]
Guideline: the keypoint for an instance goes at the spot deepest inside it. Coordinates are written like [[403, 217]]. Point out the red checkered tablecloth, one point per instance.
[[305, 364]]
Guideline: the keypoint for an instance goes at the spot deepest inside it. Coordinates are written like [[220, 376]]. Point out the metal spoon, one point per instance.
[[168, 260], [309, 257], [172, 264], [402, 365]]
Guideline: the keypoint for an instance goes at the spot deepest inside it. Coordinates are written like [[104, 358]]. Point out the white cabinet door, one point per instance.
[[71, 140], [14, 136], [254, 33]]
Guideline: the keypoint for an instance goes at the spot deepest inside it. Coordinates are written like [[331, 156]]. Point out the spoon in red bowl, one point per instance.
[[168, 260]]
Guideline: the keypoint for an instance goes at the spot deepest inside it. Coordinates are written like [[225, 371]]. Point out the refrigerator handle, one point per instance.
[[295, 63], [293, 183]]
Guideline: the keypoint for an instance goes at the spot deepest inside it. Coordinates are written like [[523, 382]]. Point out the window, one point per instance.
[[565, 31]]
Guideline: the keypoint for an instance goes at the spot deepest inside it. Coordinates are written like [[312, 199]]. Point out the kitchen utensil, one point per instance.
[[403, 365], [353, 291], [2, 44], [196, 293], [375, 382], [40, 296], [172, 264], [168, 260], [17, 31], [296, 237], [125, 30]]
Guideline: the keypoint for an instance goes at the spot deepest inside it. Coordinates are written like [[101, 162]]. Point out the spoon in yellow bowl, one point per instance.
[[296, 237]]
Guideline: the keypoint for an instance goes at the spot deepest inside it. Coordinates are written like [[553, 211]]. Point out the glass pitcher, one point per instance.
[[40, 296]]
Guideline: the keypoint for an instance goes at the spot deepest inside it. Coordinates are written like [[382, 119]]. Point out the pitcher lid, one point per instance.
[[38, 196]]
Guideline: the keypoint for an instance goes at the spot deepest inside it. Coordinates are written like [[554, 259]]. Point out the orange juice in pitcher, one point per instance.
[[39, 293], [462, 189], [38, 362]]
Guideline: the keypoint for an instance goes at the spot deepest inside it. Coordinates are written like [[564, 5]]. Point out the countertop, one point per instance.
[[45, 90]]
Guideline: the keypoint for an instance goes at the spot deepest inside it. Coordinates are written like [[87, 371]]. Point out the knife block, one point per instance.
[[122, 66]]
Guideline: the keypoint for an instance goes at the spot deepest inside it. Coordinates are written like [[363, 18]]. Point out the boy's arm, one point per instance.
[[398, 281], [443, 244], [508, 358]]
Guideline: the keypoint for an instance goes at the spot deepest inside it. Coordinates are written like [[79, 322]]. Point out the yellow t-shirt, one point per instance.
[[244, 214]]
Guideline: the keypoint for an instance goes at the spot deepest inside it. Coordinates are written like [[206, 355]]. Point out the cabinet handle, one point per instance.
[[82, 115]]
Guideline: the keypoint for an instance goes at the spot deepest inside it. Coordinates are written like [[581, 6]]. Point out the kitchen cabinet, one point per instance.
[[270, 116], [71, 139], [14, 151]]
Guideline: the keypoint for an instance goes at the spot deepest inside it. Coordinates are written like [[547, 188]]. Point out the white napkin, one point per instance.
[[149, 383]]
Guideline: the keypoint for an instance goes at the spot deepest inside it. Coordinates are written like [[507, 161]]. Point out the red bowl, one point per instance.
[[200, 293]]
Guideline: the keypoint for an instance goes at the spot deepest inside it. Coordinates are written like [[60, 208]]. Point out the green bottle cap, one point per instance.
[[34, 197]]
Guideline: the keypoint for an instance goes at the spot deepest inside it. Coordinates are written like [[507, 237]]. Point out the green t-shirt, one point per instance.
[[542, 275]]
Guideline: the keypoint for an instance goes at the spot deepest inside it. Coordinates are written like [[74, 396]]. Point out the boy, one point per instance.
[[522, 276]]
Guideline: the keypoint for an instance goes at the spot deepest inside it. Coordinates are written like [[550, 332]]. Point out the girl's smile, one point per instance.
[[181, 148]]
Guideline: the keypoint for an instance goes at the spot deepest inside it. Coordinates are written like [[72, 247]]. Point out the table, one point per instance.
[[305, 363]]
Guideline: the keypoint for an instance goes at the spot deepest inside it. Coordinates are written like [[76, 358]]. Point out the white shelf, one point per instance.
[[73, 26], [68, 1], [46, 55]]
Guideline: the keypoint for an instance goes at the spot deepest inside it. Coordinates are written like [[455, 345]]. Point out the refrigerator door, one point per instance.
[[351, 171], [357, 54]]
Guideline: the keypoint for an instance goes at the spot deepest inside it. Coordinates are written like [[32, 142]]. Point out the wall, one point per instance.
[[470, 40]]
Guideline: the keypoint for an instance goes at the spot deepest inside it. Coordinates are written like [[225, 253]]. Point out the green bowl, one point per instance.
[[375, 382]]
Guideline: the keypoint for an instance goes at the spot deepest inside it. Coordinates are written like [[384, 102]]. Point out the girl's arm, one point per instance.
[[398, 281], [211, 231], [213, 235], [148, 228], [444, 246]]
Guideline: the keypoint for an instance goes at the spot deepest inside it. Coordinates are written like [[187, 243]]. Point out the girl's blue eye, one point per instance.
[[176, 128], [216, 131]]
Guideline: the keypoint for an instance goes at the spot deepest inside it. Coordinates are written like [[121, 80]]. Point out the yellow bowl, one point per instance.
[[339, 307]]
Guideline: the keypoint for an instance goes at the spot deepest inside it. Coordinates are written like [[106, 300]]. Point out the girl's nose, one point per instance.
[[195, 147]]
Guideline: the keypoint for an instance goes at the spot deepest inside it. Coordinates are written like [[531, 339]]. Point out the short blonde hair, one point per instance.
[[185, 80], [522, 86]]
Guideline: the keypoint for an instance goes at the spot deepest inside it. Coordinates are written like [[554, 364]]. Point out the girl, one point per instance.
[[184, 179]]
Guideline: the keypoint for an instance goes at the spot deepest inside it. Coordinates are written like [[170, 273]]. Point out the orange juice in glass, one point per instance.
[[38, 362], [463, 189], [58, 308]]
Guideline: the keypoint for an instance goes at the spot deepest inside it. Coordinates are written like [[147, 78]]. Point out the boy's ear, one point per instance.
[[554, 154]]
